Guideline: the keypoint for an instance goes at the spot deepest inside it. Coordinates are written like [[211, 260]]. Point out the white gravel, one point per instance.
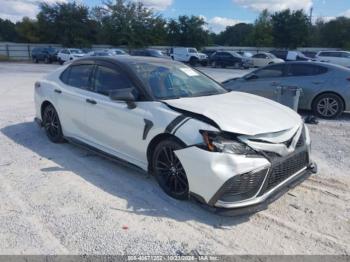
[[60, 199]]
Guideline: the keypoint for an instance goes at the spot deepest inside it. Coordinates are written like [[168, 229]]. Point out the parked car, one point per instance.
[[117, 51], [188, 55], [290, 55], [335, 57], [100, 53], [46, 54], [310, 54], [263, 59], [245, 54], [69, 54], [149, 52], [176, 123], [209, 52], [229, 58], [325, 87]]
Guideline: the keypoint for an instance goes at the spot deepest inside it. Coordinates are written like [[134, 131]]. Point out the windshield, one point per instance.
[[192, 50], [272, 56], [170, 81], [157, 53], [76, 51]]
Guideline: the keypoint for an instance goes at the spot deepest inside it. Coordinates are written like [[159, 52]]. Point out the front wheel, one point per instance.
[[194, 61], [328, 106], [52, 125], [169, 171]]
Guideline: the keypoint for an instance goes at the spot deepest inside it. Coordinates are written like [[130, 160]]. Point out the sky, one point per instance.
[[217, 13]]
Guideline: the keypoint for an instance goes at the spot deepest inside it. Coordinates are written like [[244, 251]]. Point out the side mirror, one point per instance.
[[126, 95], [251, 77]]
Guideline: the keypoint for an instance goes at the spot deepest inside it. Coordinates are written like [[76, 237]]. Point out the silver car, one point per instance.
[[325, 87]]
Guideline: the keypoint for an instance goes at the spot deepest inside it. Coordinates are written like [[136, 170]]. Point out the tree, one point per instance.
[[66, 23], [262, 34], [8, 31], [290, 29], [237, 35], [336, 33], [27, 30], [188, 31]]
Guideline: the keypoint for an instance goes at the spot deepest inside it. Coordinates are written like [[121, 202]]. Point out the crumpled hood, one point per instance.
[[241, 113]]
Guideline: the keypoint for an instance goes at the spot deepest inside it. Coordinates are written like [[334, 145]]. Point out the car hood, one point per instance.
[[241, 113]]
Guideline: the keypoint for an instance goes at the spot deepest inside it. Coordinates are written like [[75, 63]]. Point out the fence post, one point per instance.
[[28, 47], [7, 52]]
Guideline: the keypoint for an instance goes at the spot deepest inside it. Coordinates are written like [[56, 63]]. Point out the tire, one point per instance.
[[52, 125], [194, 61], [35, 60], [46, 60], [236, 65], [328, 106], [169, 171], [60, 61]]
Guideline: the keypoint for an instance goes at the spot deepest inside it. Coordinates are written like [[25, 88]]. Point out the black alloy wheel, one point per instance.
[[169, 171], [52, 125], [328, 106]]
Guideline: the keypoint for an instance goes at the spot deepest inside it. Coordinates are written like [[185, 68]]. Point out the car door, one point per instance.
[[71, 96], [264, 82], [113, 126], [259, 60], [309, 77], [344, 59]]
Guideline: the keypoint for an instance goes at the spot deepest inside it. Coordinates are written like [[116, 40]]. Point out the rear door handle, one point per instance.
[[91, 101], [58, 91]]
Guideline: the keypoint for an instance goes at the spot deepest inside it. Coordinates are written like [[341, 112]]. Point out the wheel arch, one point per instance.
[[328, 92], [154, 142]]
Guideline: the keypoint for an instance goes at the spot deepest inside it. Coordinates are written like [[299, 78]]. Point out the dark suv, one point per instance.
[[46, 54], [228, 58]]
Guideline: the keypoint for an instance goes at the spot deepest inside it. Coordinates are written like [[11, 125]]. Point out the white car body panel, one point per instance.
[[226, 111], [203, 164], [112, 127], [343, 61]]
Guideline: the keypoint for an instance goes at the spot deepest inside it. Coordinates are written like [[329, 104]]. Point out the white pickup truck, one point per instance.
[[188, 55]]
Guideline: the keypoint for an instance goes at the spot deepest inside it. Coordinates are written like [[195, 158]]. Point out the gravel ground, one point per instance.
[[61, 199]]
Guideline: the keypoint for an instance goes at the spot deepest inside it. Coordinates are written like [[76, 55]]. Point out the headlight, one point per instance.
[[219, 142]]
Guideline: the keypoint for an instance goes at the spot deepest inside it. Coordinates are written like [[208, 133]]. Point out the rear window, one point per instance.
[[306, 70]]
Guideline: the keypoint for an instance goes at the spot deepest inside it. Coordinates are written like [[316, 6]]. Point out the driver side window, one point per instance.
[[108, 79], [270, 71]]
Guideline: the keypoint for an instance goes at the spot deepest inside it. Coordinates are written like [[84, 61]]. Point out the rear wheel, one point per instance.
[[52, 125], [169, 171], [328, 106], [47, 60]]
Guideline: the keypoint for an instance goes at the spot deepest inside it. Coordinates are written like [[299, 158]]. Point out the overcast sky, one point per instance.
[[217, 13]]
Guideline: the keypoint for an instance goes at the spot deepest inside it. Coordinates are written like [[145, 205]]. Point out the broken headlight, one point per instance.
[[218, 142]]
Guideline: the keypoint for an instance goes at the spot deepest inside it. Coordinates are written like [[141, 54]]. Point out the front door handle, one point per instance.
[[58, 91], [91, 101]]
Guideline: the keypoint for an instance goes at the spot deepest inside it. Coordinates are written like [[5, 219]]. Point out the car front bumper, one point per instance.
[[228, 181]]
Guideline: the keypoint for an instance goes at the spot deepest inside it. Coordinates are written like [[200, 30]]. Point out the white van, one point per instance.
[[334, 57], [188, 55]]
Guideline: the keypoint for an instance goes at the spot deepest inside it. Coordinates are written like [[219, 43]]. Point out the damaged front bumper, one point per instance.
[[228, 181]]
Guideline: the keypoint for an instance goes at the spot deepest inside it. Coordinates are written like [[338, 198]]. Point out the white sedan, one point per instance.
[[264, 59], [227, 149]]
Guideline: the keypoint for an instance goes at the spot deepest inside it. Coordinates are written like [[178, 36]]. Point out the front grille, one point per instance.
[[242, 186], [285, 169]]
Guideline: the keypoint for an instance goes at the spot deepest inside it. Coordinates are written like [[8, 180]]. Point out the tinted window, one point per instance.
[[345, 55], [259, 56], [270, 71], [79, 76], [306, 70], [107, 80]]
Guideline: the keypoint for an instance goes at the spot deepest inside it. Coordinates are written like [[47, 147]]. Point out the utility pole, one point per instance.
[[311, 11]]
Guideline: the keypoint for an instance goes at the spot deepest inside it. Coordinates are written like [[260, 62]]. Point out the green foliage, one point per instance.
[[262, 34], [290, 29], [188, 31], [130, 23], [7, 31], [237, 35]]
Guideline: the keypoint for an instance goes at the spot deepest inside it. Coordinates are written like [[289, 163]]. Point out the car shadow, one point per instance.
[[141, 191]]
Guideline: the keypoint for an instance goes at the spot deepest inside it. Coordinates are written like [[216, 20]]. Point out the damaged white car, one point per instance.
[[227, 149]]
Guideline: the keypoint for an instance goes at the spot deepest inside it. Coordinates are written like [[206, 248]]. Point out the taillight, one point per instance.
[[37, 84]]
